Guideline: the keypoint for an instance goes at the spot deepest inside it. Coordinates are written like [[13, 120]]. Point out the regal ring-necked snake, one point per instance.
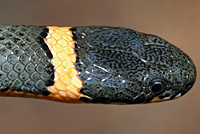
[[95, 64]]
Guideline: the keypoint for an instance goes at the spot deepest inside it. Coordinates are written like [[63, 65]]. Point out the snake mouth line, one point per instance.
[[157, 99]]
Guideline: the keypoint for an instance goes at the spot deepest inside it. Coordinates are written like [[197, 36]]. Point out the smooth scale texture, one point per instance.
[[122, 65], [91, 64]]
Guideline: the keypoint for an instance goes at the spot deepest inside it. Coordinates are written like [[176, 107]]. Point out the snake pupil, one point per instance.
[[157, 87]]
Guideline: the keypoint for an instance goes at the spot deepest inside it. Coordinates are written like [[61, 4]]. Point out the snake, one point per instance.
[[91, 64]]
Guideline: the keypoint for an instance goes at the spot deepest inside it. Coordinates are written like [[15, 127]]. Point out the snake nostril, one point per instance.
[[189, 85]]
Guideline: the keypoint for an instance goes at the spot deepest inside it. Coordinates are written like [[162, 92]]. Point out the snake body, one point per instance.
[[91, 64]]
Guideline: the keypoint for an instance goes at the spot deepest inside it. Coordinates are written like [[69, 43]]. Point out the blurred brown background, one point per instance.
[[176, 21]]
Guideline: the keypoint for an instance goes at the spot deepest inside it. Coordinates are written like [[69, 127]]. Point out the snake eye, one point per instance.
[[157, 87]]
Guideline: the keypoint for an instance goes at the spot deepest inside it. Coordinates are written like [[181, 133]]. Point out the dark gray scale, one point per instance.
[[122, 65], [25, 59]]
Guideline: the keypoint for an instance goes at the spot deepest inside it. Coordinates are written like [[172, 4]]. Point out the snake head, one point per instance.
[[175, 82], [183, 76], [119, 65]]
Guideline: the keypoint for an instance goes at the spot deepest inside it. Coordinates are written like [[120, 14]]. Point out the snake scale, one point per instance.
[[96, 64]]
